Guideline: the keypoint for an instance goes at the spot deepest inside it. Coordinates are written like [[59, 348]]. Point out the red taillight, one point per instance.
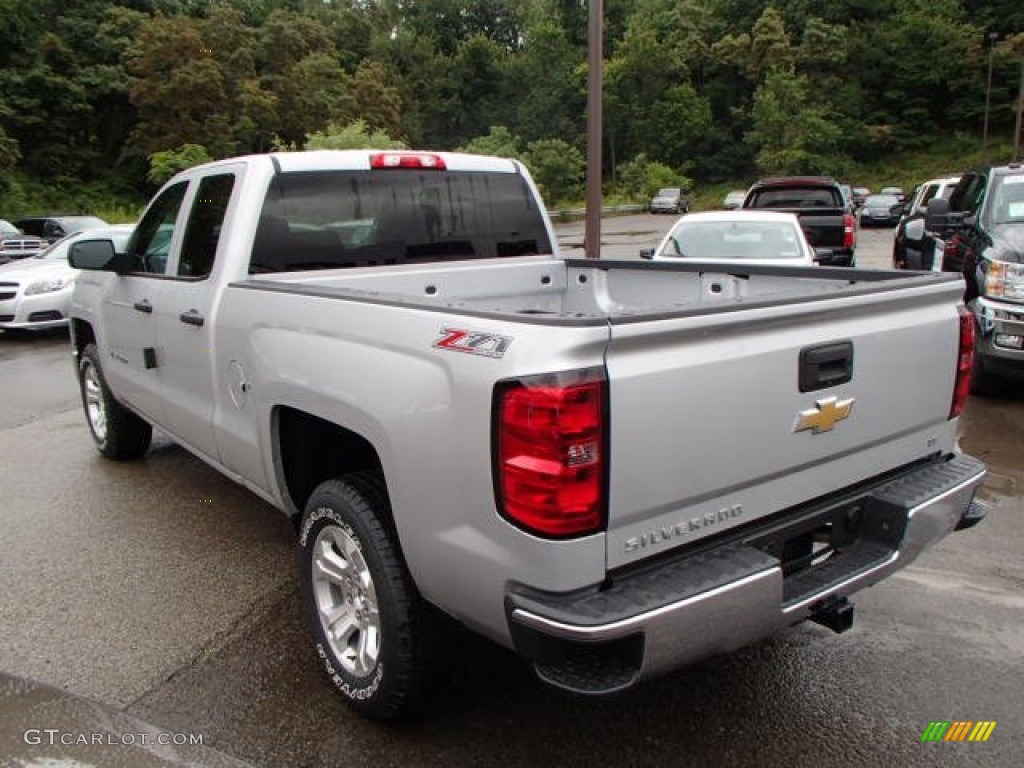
[[550, 465], [951, 250], [965, 361], [407, 160], [849, 230]]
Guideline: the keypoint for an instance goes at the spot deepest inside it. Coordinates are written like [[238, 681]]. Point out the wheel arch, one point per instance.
[[82, 334], [309, 450]]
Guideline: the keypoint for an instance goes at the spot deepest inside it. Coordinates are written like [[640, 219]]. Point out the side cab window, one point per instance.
[[202, 233], [150, 244]]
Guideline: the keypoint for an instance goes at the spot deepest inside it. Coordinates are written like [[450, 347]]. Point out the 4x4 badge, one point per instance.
[[825, 414]]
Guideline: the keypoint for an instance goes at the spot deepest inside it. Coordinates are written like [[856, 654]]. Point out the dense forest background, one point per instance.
[[98, 100]]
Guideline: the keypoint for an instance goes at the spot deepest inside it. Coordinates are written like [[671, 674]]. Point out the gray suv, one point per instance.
[[670, 200], [53, 228]]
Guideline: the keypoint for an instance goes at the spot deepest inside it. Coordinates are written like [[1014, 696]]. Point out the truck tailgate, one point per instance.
[[706, 410], [823, 228]]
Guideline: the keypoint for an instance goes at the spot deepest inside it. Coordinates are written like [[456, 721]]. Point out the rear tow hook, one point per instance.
[[837, 615]]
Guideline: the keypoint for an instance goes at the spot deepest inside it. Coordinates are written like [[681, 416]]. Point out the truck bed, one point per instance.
[[586, 292]]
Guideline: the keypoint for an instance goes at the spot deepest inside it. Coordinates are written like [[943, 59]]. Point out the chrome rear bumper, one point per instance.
[[654, 620]]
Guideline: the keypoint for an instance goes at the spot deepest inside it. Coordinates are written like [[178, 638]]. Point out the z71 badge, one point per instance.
[[473, 342]]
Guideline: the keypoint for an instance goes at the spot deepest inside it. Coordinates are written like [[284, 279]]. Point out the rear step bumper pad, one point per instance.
[[722, 599]]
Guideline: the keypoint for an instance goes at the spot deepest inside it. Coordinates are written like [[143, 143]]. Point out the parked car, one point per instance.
[[907, 250], [734, 199], [881, 210], [750, 237], [979, 232], [36, 293], [860, 194], [895, 191], [670, 200], [53, 227], [14, 244], [847, 191]]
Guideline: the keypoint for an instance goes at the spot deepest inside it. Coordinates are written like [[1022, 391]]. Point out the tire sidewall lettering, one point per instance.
[[327, 513], [318, 519], [354, 691]]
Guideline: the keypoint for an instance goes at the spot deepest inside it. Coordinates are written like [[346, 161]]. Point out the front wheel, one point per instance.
[[117, 432], [368, 621]]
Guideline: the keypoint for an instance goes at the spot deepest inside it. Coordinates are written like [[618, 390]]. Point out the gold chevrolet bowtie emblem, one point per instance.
[[825, 414]]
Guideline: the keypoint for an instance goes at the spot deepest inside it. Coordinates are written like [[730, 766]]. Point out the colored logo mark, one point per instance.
[[958, 730]]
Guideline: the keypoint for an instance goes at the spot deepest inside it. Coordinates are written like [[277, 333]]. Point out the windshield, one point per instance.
[[667, 193], [1008, 200], [330, 219], [734, 240], [882, 201]]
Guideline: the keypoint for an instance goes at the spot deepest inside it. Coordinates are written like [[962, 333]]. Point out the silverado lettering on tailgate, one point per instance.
[[667, 533]]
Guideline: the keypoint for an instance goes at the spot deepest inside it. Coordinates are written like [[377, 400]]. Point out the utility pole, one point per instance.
[[595, 54], [988, 96], [1020, 112]]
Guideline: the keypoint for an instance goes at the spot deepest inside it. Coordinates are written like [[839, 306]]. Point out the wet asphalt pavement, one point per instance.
[[169, 593]]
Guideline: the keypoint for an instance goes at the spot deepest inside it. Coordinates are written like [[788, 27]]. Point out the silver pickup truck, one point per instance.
[[613, 467]]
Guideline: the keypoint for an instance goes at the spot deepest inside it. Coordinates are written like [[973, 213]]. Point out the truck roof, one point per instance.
[[360, 159], [789, 181]]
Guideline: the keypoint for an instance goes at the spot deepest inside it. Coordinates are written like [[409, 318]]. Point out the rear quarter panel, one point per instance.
[[375, 369]]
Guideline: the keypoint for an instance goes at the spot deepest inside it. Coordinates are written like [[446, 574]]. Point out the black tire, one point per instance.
[[346, 521], [117, 432], [983, 383]]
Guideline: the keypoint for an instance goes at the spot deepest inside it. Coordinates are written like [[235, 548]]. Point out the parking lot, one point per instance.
[[166, 591]]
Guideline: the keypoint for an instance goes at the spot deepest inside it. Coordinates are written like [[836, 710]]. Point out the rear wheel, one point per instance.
[[117, 432], [372, 629]]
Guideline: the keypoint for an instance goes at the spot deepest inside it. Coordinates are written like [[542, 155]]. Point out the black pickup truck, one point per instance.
[[979, 232], [825, 216]]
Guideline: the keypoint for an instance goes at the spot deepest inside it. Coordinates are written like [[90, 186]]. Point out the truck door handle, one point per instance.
[[143, 306], [192, 317], [826, 366]]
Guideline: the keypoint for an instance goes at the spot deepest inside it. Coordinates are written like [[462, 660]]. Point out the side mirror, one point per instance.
[[94, 254], [937, 216], [647, 253]]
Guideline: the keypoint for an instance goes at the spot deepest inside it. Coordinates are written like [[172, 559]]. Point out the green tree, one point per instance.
[[355, 135], [545, 86], [791, 134], [498, 142], [641, 177], [558, 169], [163, 165]]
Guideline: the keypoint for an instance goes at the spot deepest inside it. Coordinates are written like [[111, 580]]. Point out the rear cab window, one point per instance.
[[796, 197], [202, 234], [353, 218]]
